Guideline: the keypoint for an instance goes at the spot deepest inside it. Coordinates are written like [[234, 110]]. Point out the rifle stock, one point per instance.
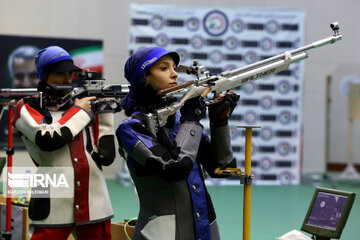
[[175, 88]]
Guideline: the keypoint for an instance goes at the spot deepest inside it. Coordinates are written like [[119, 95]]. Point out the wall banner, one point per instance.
[[230, 38]]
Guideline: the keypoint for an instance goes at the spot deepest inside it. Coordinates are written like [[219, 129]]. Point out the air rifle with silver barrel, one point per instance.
[[87, 84], [230, 79]]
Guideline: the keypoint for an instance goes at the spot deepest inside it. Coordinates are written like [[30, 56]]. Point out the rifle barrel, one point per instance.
[[9, 96], [17, 93], [18, 90], [320, 43]]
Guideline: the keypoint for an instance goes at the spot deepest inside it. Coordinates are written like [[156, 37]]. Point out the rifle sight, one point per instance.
[[88, 75]]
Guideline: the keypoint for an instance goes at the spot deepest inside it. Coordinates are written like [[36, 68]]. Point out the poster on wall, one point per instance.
[[228, 38], [17, 66]]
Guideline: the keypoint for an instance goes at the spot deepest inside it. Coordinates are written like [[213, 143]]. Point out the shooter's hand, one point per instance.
[[85, 102], [221, 108], [105, 106], [194, 109]]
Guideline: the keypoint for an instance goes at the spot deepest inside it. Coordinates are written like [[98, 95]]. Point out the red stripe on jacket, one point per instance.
[[96, 130], [69, 114], [34, 114], [81, 175], [18, 107]]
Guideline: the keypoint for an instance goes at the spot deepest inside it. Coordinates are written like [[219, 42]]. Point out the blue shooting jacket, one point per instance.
[[167, 171]]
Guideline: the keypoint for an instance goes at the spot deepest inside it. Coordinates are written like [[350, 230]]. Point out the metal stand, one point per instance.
[[9, 152], [350, 172], [9, 97], [247, 181], [245, 178]]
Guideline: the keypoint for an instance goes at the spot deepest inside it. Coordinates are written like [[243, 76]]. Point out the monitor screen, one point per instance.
[[328, 212]]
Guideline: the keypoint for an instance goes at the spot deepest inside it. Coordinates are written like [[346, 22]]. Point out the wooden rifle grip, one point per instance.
[[177, 87]]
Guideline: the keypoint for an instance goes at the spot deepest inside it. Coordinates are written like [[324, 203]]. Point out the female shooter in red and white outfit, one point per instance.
[[69, 136]]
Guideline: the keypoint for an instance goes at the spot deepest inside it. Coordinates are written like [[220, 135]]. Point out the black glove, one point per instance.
[[221, 108], [104, 106], [193, 110]]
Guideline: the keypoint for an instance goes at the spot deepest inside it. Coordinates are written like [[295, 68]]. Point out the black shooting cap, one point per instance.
[[62, 66]]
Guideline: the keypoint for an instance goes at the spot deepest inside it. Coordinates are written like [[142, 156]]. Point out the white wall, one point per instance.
[[109, 20]]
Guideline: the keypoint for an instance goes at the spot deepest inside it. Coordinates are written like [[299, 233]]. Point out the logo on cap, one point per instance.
[[143, 66]]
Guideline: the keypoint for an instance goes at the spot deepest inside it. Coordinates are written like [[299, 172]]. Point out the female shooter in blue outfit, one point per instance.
[[167, 168]]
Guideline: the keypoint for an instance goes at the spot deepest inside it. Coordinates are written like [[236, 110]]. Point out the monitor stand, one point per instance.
[[320, 238]]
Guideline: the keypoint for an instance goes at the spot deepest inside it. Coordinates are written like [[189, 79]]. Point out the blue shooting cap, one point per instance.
[[54, 59], [135, 72]]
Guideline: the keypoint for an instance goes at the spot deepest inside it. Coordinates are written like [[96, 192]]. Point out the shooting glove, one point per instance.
[[193, 110], [221, 108], [105, 106], [103, 152]]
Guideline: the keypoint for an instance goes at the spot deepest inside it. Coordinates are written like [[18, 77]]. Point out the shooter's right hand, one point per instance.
[[85, 102]]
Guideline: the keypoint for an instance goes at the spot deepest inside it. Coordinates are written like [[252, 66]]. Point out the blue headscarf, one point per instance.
[[135, 72]]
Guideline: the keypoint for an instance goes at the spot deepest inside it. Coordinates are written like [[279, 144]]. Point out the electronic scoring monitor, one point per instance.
[[328, 213]]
